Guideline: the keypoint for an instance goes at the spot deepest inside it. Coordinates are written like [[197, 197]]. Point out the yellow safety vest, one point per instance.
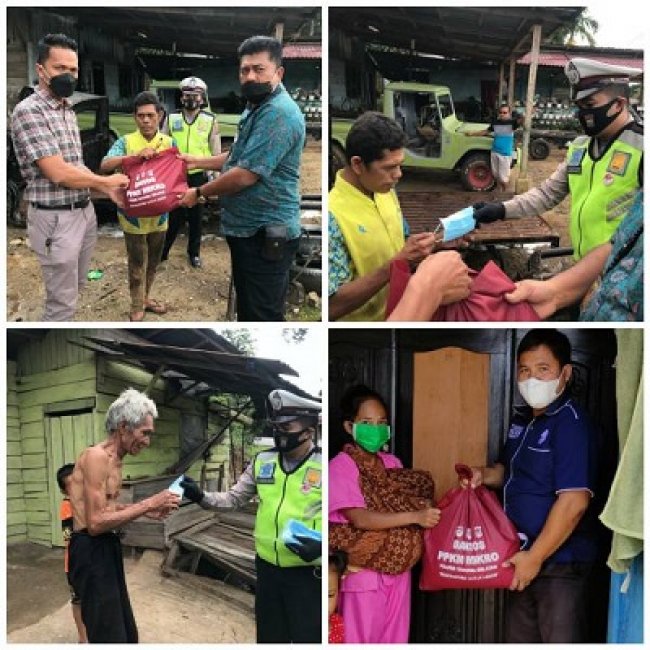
[[283, 496], [193, 138], [373, 230], [603, 190]]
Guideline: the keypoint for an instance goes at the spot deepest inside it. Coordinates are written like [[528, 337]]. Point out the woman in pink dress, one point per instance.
[[365, 495]]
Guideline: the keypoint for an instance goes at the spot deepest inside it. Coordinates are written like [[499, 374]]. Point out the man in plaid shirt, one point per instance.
[[62, 227]]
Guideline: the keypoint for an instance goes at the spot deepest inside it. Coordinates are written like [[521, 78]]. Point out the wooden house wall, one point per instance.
[[54, 378], [16, 514]]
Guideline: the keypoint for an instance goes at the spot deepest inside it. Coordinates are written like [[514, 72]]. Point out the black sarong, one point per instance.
[[97, 575]]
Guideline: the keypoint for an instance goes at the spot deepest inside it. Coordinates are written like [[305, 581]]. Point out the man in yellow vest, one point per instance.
[[288, 481], [196, 132], [366, 227], [144, 236], [603, 170]]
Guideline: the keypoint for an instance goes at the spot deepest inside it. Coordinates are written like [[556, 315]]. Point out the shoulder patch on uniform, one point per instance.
[[574, 164], [266, 473]]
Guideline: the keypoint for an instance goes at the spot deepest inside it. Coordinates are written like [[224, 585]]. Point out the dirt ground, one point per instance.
[[190, 294], [167, 610]]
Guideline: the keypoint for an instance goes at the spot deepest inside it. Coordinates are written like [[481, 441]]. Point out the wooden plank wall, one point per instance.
[[35, 391], [16, 515], [52, 370]]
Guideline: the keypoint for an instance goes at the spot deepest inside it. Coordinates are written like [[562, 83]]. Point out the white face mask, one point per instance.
[[537, 393]]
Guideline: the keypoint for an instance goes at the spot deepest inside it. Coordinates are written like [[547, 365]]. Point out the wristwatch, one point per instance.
[[199, 197]]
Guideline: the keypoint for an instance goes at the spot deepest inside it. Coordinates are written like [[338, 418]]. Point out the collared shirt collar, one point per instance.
[[52, 102]]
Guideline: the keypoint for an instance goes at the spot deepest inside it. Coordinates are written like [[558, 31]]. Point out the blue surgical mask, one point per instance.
[[458, 224]]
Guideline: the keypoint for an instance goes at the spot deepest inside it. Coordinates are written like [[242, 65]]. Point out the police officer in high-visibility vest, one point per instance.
[[196, 132], [288, 481], [603, 169]]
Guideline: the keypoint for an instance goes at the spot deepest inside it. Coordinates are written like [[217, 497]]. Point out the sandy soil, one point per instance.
[[190, 294], [167, 610]]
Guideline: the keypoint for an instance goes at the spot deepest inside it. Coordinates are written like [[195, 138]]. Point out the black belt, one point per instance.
[[66, 206]]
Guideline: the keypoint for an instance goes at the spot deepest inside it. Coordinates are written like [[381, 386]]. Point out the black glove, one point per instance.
[[306, 548], [489, 212], [192, 490]]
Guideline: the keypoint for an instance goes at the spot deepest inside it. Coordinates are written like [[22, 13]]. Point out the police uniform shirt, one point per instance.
[[544, 456]]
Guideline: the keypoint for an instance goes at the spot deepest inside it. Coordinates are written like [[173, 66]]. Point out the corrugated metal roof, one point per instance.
[[302, 51], [560, 59]]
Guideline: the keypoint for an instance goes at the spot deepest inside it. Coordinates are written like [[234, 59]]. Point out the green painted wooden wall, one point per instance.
[[16, 514], [56, 375]]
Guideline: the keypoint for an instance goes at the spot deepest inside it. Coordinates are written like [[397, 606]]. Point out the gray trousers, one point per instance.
[[63, 241]]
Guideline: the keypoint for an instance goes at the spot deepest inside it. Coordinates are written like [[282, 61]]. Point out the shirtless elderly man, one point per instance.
[[96, 566]]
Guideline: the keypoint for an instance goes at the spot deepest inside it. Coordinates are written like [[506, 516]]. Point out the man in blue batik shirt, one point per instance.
[[259, 184]]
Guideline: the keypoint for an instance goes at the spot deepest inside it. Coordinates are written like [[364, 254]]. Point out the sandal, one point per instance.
[[136, 316], [155, 307]]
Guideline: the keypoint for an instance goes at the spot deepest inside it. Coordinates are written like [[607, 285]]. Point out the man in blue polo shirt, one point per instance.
[[259, 185], [547, 472]]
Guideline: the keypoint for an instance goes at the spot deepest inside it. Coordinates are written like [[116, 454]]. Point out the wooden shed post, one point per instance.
[[500, 91], [522, 181], [511, 82]]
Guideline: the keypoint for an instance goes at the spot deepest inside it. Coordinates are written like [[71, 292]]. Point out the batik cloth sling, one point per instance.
[[393, 550]]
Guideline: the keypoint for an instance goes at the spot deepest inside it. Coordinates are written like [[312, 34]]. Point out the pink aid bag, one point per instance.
[[467, 548], [154, 184]]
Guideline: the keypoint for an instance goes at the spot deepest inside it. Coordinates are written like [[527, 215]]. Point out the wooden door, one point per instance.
[[67, 436], [450, 412]]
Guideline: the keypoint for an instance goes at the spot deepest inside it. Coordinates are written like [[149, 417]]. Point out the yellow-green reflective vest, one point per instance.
[[194, 138], [284, 496], [602, 190], [373, 230]]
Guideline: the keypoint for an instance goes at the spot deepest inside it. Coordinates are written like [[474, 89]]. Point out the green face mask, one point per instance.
[[371, 437]]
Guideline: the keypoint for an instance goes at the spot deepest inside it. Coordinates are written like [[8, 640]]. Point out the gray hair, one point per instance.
[[131, 407]]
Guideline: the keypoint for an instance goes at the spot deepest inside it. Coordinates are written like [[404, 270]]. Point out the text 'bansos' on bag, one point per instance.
[[467, 549], [154, 184]]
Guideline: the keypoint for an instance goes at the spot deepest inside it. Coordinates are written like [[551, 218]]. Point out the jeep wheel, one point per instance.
[[476, 174], [539, 149]]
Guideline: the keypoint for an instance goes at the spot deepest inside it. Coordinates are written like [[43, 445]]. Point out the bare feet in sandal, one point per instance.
[[155, 307], [136, 316]]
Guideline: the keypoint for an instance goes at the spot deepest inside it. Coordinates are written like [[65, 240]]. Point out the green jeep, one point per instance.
[[435, 136]]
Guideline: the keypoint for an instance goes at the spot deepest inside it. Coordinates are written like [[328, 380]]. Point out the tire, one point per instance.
[[476, 173], [337, 160], [310, 278], [14, 192], [539, 149]]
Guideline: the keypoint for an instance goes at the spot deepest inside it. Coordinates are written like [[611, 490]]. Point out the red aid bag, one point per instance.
[[467, 548], [154, 183]]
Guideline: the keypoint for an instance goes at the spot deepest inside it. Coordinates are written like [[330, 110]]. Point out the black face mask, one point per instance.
[[594, 120], [255, 92], [288, 441], [63, 85], [190, 104]]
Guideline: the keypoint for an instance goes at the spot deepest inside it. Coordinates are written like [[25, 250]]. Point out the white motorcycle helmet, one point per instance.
[[195, 85]]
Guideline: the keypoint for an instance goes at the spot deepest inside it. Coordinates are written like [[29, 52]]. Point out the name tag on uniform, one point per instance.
[[574, 166], [619, 162], [266, 473], [177, 124], [312, 479]]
